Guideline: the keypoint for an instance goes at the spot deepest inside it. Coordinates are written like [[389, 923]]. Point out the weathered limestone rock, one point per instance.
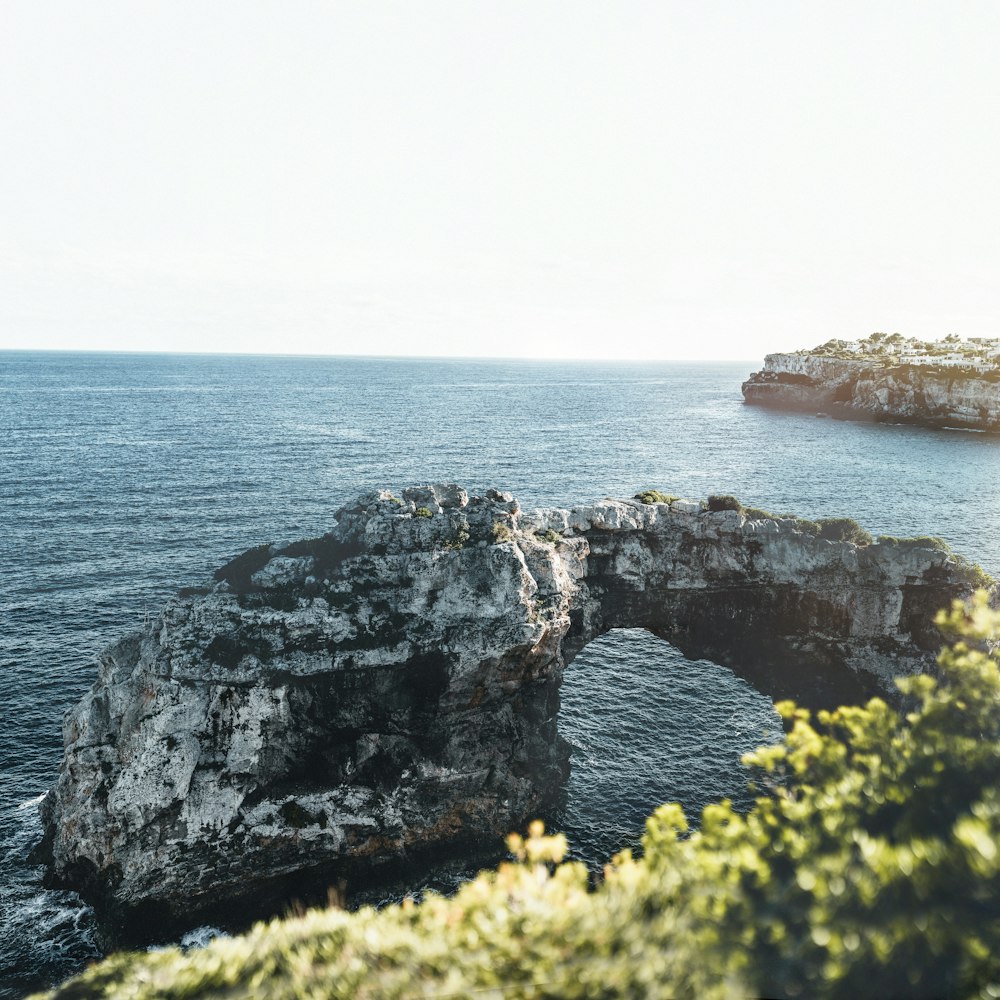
[[393, 687], [932, 397]]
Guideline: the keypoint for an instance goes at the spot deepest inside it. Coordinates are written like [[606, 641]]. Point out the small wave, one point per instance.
[[36, 801], [338, 433], [136, 442], [45, 935], [196, 938], [201, 936]]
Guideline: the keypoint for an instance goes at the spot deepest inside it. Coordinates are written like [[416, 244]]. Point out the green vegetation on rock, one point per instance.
[[916, 542], [802, 524], [759, 514], [423, 512], [958, 358], [834, 529], [655, 496], [502, 533], [974, 574], [869, 866], [722, 502], [843, 529], [459, 539]]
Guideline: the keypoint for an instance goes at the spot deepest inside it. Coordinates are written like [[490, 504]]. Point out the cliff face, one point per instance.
[[393, 687], [934, 397]]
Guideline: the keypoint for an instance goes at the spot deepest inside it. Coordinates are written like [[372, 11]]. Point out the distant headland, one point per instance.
[[888, 378]]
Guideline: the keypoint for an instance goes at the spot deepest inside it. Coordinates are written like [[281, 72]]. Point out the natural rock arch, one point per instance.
[[393, 687]]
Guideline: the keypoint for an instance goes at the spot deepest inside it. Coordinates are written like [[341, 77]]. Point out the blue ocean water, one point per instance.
[[125, 477]]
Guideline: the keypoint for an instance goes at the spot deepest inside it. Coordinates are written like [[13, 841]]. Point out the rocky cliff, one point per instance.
[[917, 394], [392, 688]]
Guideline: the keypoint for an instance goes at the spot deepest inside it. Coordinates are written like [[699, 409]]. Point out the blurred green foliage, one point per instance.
[[869, 866]]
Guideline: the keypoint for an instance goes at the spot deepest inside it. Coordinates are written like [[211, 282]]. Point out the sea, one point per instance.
[[124, 477]]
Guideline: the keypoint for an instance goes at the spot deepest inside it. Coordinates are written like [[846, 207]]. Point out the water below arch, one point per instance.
[[647, 726]]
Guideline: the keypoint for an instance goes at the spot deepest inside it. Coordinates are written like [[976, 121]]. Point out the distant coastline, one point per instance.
[[948, 383]]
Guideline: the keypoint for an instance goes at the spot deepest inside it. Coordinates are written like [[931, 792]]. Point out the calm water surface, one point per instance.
[[124, 477]]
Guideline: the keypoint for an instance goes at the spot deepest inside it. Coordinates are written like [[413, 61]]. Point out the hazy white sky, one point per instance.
[[506, 178]]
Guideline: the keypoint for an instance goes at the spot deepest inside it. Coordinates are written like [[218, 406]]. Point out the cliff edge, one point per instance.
[[885, 391]]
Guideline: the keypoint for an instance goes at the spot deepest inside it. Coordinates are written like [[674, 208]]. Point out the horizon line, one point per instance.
[[360, 357]]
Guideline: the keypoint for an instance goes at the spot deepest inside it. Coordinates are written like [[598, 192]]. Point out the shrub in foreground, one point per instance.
[[869, 866]]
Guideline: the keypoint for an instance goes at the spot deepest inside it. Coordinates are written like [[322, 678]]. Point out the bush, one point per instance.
[[974, 574], [502, 533], [551, 536], [722, 502], [459, 539], [655, 496], [423, 512], [759, 514], [868, 866], [916, 542], [802, 524], [843, 529]]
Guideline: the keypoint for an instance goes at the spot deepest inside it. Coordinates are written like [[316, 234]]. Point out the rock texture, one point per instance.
[[393, 687], [855, 389]]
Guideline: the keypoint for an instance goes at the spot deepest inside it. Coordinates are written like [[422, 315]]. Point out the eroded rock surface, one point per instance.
[[924, 395], [393, 687]]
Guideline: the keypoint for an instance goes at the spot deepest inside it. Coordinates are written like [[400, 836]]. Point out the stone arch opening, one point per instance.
[[670, 729], [788, 641]]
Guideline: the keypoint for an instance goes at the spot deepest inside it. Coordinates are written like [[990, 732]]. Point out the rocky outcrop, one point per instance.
[[392, 688], [854, 389]]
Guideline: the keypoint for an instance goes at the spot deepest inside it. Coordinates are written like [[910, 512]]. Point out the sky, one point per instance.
[[661, 180]]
